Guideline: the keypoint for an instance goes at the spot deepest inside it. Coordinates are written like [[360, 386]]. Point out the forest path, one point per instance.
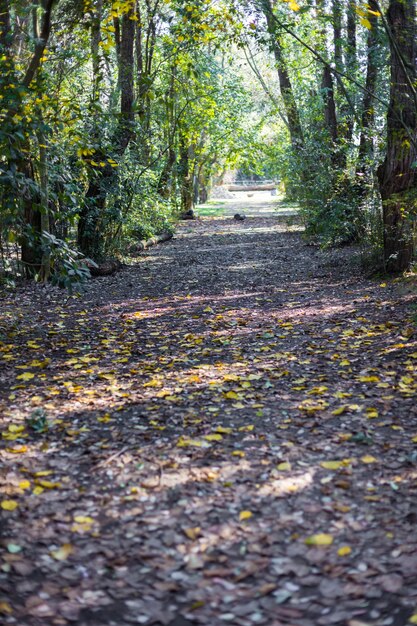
[[223, 433]]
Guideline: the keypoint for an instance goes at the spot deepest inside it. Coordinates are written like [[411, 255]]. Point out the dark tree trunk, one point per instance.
[[125, 130], [287, 93], [351, 36], [165, 179], [330, 117], [397, 174], [337, 34], [186, 178]]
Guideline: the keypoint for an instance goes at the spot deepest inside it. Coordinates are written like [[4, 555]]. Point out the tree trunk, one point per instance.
[[329, 103], [186, 178], [287, 93], [337, 34], [397, 174], [366, 146]]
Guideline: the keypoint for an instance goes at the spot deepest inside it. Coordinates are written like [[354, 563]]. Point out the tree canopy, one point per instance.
[[119, 116]]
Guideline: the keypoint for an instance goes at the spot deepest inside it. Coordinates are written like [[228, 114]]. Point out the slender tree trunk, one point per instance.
[[337, 34], [287, 93], [165, 179], [126, 130], [366, 146], [330, 117], [45, 223], [351, 36], [186, 177], [397, 174]]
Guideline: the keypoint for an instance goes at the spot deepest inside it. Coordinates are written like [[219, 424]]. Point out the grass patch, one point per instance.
[[211, 208]]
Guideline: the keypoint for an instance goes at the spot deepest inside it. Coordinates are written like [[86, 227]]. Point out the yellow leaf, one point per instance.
[[242, 454], [47, 484], [25, 376], [231, 395], [367, 25], [414, 439], [43, 473], [293, 5], [24, 484], [284, 467], [340, 410], [38, 490], [106, 418], [245, 515], [63, 552], [344, 363], [184, 442], [9, 505], [344, 551], [20, 450], [369, 379], [224, 431], [83, 519], [15, 428], [214, 437], [318, 391], [5, 608], [192, 533], [369, 459], [321, 539], [248, 428], [413, 619], [332, 465]]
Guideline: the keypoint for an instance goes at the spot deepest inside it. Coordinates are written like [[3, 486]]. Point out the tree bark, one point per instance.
[[397, 174], [366, 146], [330, 117], [337, 34], [287, 93], [186, 177]]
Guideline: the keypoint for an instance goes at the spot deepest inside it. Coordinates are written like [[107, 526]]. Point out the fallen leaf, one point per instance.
[[369, 459], [243, 515], [192, 533], [63, 552], [9, 505], [321, 539], [332, 465], [25, 376], [5, 608]]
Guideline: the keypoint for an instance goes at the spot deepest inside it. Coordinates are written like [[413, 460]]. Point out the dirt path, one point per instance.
[[252, 204], [224, 433]]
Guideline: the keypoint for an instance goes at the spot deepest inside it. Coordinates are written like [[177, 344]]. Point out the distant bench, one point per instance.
[[268, 186]]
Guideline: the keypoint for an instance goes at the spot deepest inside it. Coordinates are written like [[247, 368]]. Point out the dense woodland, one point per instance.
[[118, 116]]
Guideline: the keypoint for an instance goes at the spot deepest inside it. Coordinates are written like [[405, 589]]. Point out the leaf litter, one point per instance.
[[225, 432]]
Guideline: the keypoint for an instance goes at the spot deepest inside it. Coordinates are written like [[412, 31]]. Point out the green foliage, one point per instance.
[[148, 214], [69, 268]]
